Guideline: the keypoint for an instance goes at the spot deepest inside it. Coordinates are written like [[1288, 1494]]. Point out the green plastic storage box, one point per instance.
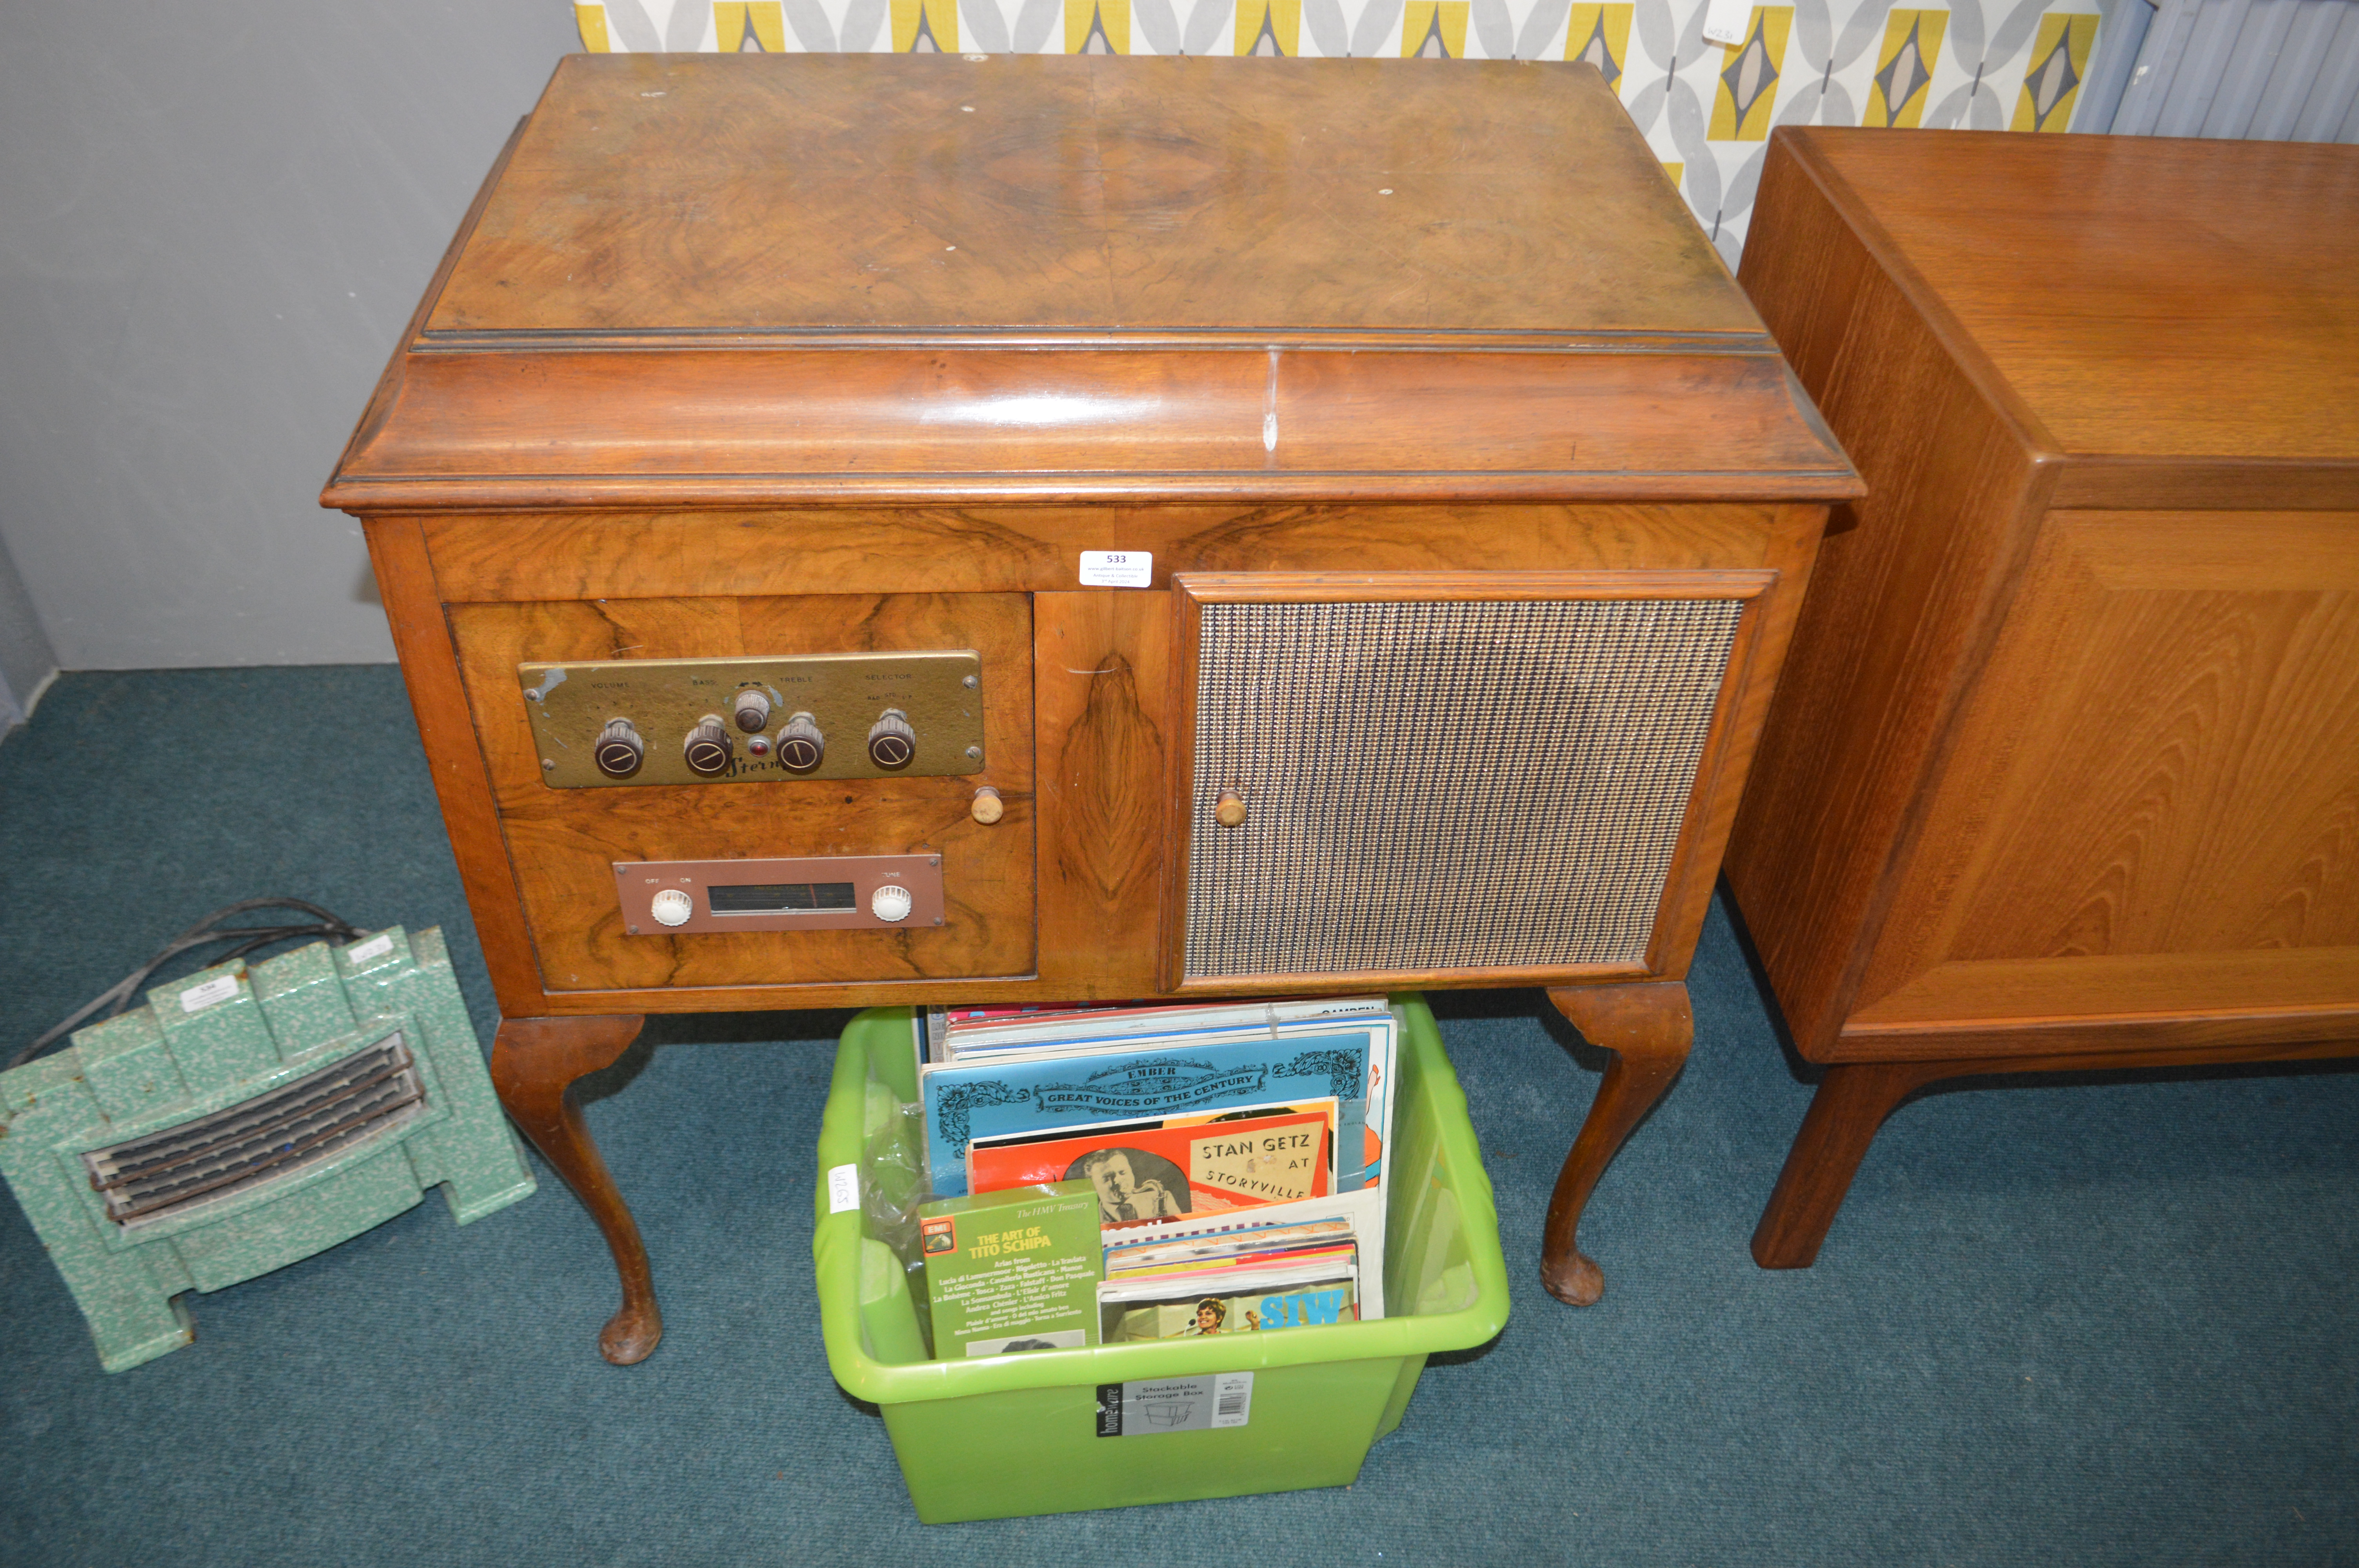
[[1004, 1435]]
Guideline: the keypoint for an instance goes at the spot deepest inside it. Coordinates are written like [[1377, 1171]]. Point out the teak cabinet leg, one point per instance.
[[535, 1062], [1851, 1102], [1650, 1029]]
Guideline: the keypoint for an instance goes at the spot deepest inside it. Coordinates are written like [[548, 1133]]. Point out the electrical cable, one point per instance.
[[248, 939]]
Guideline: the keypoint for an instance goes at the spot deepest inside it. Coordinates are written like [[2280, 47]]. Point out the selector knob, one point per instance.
[[752, 713], [891, 742], [708, 748], [890, 904], [618, 752], [671, 907], [801, 745]]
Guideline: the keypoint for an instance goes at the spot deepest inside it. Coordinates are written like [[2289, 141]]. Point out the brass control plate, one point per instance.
[[570, 704]]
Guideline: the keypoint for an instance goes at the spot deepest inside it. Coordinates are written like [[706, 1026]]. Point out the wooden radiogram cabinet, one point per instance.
[[2064, 773], [891, 530]]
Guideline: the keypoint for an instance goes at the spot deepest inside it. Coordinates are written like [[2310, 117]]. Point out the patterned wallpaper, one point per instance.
[[1706, 108]]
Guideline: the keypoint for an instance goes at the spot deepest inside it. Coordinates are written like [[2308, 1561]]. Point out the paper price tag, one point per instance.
[[1117, 568], [843, 1188], [1724, 21], [377, 946], [1151, 1407], [196, 999]]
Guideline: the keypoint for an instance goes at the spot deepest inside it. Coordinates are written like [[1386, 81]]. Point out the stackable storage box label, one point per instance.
[[1005, 1435], [246, 1117]]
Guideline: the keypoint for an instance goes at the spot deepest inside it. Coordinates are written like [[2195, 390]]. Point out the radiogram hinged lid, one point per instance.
[[707, 279]]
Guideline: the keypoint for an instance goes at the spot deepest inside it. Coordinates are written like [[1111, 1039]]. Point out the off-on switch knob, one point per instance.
[[671, 907], [751, 712], [891, 742], [618, 752], [708, 748], [801, 745]]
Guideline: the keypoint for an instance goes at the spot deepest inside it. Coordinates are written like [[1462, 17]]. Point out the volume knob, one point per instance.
[[618, 750], [801, 744], [708, 748], [891, 742]]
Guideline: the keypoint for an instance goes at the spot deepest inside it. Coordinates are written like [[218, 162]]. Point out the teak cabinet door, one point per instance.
[[2152, 805], [563, 843]]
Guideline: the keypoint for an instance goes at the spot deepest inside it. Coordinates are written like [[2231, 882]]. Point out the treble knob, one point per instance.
[[708, 748], [891, 742], [618, 750], [801, 744]]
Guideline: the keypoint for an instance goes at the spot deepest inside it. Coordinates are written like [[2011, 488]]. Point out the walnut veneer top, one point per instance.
[[2143, 296], [718, 280], [1082, 193]]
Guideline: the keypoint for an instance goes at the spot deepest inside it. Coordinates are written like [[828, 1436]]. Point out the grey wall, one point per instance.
[[215, 221], [26, 660]]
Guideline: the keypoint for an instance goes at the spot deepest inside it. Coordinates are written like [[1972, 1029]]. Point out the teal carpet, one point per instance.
[[2109, 1322]]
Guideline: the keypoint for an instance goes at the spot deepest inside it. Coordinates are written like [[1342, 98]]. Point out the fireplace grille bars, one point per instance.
[[1452, 785], [260, 1139]]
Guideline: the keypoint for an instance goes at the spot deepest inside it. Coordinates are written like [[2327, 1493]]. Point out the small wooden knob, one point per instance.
[[1229, 811], [987, 808]]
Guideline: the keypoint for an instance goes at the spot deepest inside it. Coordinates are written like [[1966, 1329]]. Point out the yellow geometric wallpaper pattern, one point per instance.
[[1896, 94], [1269, 28], [1748, 82], [1705, 108], [2059, 59], [1433, 29], [1600, 35]]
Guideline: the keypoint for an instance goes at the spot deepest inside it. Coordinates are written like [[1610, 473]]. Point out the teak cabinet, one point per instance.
[[2064, 773], [905, 530]]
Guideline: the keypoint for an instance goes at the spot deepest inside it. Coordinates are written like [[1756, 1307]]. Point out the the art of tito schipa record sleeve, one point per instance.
[[1013, 1270]]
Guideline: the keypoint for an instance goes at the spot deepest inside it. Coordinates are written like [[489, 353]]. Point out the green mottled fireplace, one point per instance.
[[246, 1117]]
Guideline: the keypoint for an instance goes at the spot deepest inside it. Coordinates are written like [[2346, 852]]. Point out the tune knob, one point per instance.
[[891, 742], [708, 747], [890, 904], [618, 752], [752, 713], [801, 745]]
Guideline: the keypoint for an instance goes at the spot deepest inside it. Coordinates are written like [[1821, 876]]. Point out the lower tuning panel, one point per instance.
[[613, 722], [810, 892]]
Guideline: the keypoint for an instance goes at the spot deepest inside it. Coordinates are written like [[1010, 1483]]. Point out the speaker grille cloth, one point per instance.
[[1444, 785]]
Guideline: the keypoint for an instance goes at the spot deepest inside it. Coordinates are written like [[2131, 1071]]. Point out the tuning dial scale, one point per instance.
[[708, 748]]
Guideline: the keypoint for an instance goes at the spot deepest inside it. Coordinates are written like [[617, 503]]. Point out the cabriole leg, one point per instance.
[[535, 1062], [1650, 1029]]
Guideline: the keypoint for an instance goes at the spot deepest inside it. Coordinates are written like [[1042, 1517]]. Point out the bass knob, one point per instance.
[[708, 747]]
